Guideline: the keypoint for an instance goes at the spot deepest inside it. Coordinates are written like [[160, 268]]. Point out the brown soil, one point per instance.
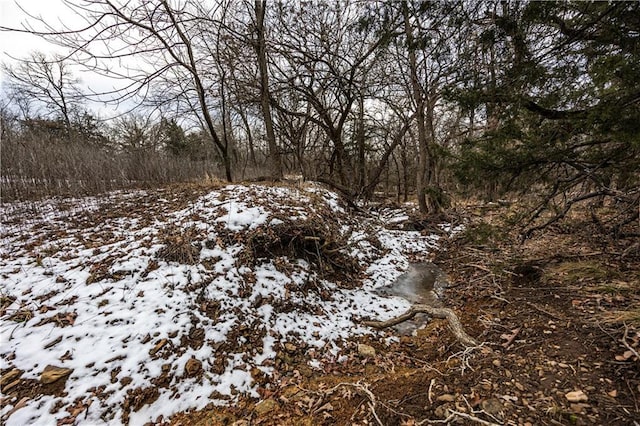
[[559, 318], [560, 323]]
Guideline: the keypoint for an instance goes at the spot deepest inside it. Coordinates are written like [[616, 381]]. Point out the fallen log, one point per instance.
[[441, 313]]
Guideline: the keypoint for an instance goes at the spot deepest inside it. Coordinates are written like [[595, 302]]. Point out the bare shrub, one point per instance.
[[31, 169]]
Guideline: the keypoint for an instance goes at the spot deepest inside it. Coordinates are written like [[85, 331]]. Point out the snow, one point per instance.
[[96, 282]]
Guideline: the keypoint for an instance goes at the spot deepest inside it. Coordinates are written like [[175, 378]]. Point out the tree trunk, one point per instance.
[[274, 156], [374, 178], [418, 98], [252, 152], [360, 140], [432, 201], [227, 131]]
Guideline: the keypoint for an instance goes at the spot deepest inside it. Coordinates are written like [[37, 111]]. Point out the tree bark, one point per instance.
[[418, 98], [274, 156], [360, 141]]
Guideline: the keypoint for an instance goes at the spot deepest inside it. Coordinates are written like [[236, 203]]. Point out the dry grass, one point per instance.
[[582, 272], [32, 170], [630, 316]]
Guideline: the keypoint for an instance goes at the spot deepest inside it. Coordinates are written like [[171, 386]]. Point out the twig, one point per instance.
[[372, 406], [482, 268], [430, 393], [473, 418], [424, 364], [453, 415], [465, 355], [370, 396], [547, 313], [364, 389], [624, 342]]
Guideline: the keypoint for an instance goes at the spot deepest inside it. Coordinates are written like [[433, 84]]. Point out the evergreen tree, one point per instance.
[[174, 138], [560, 103]]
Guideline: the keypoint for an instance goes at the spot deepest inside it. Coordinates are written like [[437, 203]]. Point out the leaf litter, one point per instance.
[[153, 303]]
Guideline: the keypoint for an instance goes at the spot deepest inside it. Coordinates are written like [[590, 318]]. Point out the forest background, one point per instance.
[[413, 100]]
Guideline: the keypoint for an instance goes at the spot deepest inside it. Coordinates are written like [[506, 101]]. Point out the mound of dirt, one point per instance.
[[171, 300]]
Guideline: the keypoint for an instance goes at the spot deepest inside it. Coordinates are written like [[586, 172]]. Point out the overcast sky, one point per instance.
[[19, 45]]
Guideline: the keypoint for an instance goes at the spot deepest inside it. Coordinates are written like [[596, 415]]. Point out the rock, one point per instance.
[[10, 376], [193, 367], [576, 396], [265, 407], [446, 398], [366, 350], [52, 374], [290, 347]]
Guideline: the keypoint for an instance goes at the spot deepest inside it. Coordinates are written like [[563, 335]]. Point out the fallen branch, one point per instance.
[[542, 311], [441, 313]]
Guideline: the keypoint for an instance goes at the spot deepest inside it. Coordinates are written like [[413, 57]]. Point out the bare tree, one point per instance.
[[265, 97], [45, 84], [325, 61], [329, 91], [153, 40]]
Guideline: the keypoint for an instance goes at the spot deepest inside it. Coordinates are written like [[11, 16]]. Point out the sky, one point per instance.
[[16, 45]]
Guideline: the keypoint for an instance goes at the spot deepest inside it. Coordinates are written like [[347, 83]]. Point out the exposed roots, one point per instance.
[[442, 313], [452, 416]]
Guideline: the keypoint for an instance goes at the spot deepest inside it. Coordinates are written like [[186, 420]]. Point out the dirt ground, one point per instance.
[[559, 318]]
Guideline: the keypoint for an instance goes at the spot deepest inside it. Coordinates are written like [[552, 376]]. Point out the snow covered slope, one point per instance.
[[158, 302]]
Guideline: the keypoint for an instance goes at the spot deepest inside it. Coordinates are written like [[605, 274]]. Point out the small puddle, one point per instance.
[[421, 284]]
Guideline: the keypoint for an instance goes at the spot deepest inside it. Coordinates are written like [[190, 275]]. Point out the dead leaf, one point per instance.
[[326, 407], [576, 396], [510, 337], [71, 317], [52, 374], [625, 356], [158, 346], [10, 386], [10, 376]]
